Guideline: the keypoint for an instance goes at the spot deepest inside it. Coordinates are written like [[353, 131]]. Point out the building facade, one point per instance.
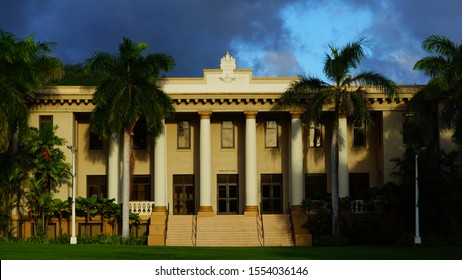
[[229, 151]]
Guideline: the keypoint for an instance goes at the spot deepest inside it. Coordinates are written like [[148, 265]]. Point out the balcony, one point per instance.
[[142, 208]]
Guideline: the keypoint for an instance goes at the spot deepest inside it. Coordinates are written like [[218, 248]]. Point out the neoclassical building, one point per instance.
[[231, 168]]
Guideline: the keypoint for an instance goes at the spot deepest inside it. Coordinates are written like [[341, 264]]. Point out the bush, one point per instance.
[[320, 224], [330, 240], [370, 232]]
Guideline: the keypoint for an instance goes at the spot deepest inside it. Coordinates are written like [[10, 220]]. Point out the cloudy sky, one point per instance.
[[273, 37]]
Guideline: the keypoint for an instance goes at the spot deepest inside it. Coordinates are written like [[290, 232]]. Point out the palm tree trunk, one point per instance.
[[335, 180], [126, 186]]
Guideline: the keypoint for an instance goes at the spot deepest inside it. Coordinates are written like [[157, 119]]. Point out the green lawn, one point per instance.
[[34, 251]]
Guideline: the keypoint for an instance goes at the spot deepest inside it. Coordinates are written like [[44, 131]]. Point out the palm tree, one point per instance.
[[444, 66], [128, 93], [345, 96], [25, 65]]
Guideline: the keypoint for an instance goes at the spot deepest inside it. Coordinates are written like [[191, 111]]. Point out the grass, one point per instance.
[[38, 251]]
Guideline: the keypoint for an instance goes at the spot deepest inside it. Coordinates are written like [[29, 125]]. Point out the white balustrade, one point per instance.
[[141, 207]]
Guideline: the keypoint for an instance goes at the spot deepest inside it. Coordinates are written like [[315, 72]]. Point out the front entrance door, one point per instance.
[[271, 193], [183, 195], [228, 193]]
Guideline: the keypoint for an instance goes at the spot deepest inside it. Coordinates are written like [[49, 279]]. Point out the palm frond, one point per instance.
[[440, 45], [376, 80]]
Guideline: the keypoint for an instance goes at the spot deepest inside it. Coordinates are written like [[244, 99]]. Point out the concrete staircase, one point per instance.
[[227, 230], [179, 231], [278, 230]]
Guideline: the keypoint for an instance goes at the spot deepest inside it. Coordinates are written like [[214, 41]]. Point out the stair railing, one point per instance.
[[194, 230], [292, 235], [260, 228], [167, 211]]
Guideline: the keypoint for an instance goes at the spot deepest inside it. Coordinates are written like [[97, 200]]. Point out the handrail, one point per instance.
[[194, 230], [167, 212], [292, 236], [260, 228]]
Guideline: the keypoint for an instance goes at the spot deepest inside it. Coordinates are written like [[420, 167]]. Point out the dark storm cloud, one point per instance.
[[196, 32]]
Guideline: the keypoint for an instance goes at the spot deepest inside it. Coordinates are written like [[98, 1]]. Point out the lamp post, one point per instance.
[[417, 239], [73, 237]]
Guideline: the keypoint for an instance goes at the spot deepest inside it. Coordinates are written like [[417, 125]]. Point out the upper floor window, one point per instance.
[[140, 135], [184, 135], [227, 134], [141, 189], [95, 143], [359, 134], [271, 134], [96, 185], [409, 122], [315, 135], [45, 120]]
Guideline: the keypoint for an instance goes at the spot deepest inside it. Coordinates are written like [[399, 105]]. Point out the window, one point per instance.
[[314, 135], [359, 134], [271, 134], [409, 122], [228, 193], [45, 120], [227, 134], [141, 190], [95, 143], [96, 185], [316, 186], [140, 135], [184, 135], [271, 192], [359, 183], [184, 195]]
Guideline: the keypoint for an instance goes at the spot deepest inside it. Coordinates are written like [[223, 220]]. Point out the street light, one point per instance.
[[73, 237], [417, 239]]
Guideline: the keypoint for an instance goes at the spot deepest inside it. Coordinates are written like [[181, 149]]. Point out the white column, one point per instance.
[[296, 161], [160, 172], [251, 188], [343, 176], [113, 178], [205, 164]]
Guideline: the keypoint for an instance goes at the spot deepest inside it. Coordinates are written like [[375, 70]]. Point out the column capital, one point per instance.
[[295, 114], [250, 114], [205, 114]]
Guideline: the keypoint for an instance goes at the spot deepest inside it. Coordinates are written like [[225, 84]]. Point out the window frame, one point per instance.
[[45, 120], [230, 130], [359, 128], [312, 128], [409, 119], [187, 144], [274, 131]]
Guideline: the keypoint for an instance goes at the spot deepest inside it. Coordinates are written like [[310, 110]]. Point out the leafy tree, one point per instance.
[[61, 209], [25, 65], [128, 93], [444, 66], [40, 206], [75, 75], [88, 208], [43, 157], [11, 191], [346, 97], [48, 165]]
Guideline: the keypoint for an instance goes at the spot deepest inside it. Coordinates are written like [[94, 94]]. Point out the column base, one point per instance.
[[157, 227], [205, 211], [251, 210], [302, 235], [159, 209]]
